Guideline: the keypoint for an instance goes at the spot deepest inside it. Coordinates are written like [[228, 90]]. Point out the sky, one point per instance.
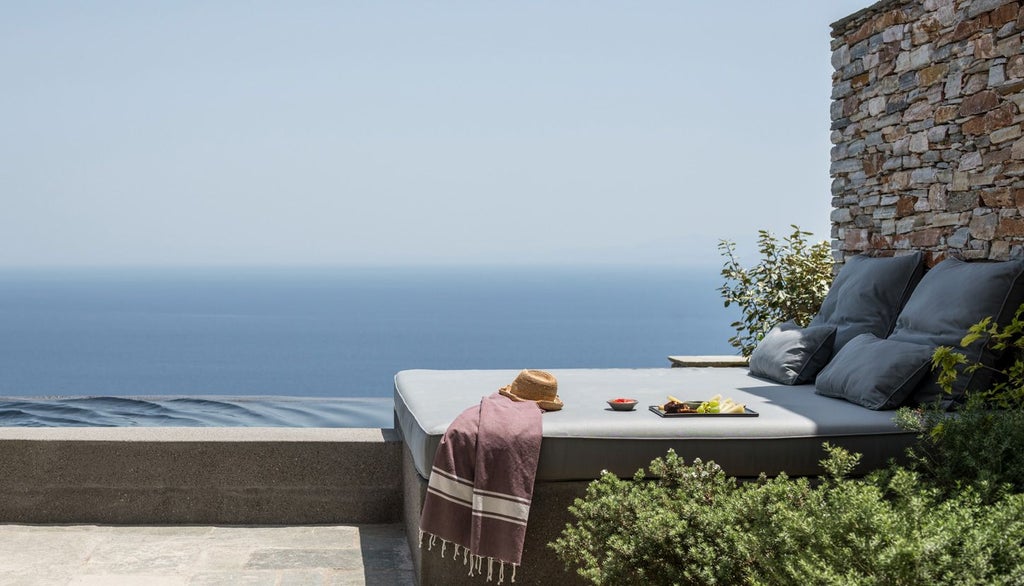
[[253, 133]]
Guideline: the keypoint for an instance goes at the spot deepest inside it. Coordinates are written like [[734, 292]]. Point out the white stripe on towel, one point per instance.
[[500, 518], [500, 506], [454, 489], [503, 495]]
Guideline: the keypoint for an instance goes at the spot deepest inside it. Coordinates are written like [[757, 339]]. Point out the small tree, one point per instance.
[[790, 282]]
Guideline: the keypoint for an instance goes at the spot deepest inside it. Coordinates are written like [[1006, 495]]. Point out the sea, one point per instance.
[[319, 347]]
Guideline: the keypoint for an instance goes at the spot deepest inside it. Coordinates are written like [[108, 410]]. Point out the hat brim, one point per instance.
[[553, 405]]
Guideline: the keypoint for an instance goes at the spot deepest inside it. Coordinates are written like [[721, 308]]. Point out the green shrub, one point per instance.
[[977, 447], [789, 282], [980, 445], [695, 525], [1007, 387], [673, 530]]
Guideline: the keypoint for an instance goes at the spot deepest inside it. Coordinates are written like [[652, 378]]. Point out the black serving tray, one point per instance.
[[746, 413]]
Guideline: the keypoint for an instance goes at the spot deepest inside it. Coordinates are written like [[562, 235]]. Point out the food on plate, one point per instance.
[[730, 406], [622, 404], [714, 405], [677, 407]]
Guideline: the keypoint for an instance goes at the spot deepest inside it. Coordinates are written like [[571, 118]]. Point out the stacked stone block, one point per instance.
[[928, 152]]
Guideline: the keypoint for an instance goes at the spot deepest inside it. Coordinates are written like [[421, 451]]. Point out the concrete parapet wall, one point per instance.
[[200, 475]]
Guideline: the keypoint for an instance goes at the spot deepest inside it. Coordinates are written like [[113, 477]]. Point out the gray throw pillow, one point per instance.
[[953, 296], [867, 295], [792, 355], [875, 373]]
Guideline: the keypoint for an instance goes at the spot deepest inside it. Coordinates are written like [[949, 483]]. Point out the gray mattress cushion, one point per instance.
[[953, 296], [792, 355], [875, 373], [587, 437], [867, 295]]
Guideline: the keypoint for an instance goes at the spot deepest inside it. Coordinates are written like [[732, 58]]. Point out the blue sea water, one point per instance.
[[320, 347]]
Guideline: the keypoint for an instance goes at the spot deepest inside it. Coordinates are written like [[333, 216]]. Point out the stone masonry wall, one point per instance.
[[926, 126]]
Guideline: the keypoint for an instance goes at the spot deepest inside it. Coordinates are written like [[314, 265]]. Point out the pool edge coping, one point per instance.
[[201, 434]]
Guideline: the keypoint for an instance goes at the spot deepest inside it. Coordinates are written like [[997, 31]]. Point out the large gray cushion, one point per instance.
[[875, 373], [587, 436], [792, 355], [952, 297], [867, 295]]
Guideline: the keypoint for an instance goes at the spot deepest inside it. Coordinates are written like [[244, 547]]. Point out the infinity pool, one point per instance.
[[196, 412]]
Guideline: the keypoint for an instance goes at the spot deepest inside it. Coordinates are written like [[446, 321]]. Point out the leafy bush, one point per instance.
[[980, 445], [694, 525], [790, 282], [1007, 387], [977, 447]]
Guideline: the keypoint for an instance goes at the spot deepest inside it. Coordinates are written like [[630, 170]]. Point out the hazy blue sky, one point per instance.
[[179, 133]]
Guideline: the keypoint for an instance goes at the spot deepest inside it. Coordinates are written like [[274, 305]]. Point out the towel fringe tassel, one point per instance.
[[475, 562]]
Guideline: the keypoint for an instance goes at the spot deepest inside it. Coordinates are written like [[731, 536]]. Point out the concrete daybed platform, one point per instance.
[[587, 437]]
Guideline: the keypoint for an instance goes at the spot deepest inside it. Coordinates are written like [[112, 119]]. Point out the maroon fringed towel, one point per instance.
[[481, 484]]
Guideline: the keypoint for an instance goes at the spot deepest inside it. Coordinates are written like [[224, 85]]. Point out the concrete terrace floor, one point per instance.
[[204, 555]]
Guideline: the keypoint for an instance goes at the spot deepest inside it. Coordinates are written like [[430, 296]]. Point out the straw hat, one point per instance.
[[535, 385]]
